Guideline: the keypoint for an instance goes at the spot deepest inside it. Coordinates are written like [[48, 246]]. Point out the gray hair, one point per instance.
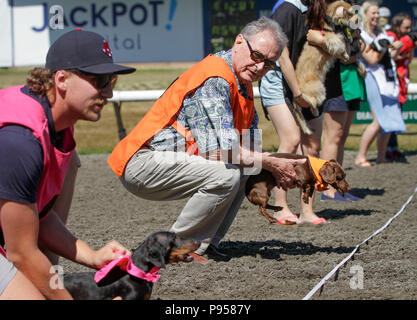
[[264, 23]]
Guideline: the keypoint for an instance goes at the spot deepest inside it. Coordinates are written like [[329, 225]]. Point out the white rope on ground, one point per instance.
[[331, 273]]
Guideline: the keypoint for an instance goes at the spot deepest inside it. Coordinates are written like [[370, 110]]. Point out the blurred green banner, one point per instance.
[[364, 115]]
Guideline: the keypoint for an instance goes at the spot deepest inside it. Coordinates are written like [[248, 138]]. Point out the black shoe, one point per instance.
[[215, 254], [390, 156], [399, 156]]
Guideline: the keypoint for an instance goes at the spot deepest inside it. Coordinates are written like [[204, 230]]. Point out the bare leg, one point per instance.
[[289, 137], [333, 142], [346, 128], [368, 137], [382, 143], [310, 145], [21, 288]]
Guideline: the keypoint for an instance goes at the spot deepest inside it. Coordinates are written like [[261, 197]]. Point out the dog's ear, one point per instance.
[[156, 258], [156, 254], [339, 12], [327, 172]]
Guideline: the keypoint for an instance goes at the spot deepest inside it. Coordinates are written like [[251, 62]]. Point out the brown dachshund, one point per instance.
[[258, 190], [258, 187]]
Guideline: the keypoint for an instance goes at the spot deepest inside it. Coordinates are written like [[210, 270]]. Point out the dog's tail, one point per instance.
[[275, 208], [298, 116]]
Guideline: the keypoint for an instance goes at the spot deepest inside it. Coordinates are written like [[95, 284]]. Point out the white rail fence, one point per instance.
[[151, 95]]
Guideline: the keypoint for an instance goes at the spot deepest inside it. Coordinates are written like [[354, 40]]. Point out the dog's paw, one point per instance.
[[272, 221], [311, 101], [345, 56]]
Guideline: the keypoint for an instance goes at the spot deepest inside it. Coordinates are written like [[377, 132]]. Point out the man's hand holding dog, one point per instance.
[[96, 259], [283, 170]]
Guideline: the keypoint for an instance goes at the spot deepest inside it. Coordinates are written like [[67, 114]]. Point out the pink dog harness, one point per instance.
[[125, 264]]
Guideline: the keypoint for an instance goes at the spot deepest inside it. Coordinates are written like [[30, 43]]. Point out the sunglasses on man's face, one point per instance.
[[100, 81], [258, 57]]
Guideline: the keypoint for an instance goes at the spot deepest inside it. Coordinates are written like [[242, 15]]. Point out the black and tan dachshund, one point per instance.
[[159, 249]]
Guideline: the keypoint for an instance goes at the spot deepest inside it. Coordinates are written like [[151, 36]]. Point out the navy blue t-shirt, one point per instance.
[[21, 164]]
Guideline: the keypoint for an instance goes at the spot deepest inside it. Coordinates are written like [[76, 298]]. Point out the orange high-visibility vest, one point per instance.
[[164, 111]]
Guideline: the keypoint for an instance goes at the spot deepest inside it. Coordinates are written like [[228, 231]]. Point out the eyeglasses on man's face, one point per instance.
[[100, 81], [258, 57]]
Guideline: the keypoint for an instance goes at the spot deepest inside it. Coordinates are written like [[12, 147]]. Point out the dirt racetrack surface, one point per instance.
[[270, 261]]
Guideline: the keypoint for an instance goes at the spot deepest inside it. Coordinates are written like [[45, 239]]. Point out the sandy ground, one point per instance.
[[270, 261]]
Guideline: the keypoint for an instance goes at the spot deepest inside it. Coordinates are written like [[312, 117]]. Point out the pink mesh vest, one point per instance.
[[21, 109]]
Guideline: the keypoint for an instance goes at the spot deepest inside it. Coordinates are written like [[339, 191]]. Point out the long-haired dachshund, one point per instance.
[[258, 187], [314, 63], [159, 249]]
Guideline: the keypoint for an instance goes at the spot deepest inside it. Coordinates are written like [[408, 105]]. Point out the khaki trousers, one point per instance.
[[215, 190]]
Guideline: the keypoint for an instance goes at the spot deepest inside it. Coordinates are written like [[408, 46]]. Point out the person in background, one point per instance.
[[276, 5], [401, 26], [296, 17], [381, 86], [345, 90], [384, 17]]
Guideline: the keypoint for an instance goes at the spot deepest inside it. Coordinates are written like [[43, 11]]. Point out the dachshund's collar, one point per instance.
[[316, 165], [125, 264]]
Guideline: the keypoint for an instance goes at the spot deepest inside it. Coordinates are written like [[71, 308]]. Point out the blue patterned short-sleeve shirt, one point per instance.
[[207, 114]]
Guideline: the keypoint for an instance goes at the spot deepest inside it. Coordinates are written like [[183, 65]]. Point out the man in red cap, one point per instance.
[[38, 162]]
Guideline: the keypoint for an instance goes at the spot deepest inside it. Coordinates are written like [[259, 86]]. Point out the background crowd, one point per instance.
[[386, 51]]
